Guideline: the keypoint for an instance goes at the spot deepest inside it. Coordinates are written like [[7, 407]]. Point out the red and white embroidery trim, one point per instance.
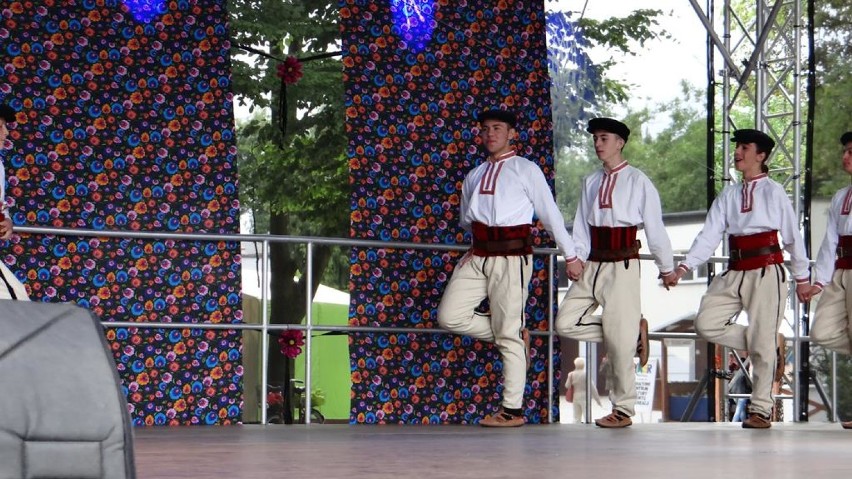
[[608, 186], [748, 193], [847, 203], [488, 183]]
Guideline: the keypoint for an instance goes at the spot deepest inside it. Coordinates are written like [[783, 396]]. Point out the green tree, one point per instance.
[[581, 88], [295, 181], [833, 49]]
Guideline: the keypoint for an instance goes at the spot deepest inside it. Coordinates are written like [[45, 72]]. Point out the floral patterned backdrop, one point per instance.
[[416, 73], [125, 121]]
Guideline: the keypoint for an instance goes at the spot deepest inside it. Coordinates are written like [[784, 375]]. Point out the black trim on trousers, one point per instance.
[[8, 286]]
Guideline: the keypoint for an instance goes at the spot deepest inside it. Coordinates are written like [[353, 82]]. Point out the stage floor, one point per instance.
[[658, 451]]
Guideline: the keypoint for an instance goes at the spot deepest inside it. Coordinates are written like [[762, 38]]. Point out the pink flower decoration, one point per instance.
[[291, 342], [290, 71], [275, 398]]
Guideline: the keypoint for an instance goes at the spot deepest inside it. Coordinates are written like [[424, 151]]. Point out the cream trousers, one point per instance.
[[615, 287], [504, 280]]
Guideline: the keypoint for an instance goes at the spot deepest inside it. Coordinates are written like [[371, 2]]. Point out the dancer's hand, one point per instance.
[[804, 292], [575, 269], [811, 290], [6, 228], [671, 278]]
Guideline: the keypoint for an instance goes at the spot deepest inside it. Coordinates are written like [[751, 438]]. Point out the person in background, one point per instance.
[[575, 390]]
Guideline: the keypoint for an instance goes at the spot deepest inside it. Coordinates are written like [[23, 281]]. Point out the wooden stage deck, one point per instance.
[[658, 451]]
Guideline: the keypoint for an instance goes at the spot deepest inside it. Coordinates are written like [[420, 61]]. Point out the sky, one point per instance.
[[656, 72]]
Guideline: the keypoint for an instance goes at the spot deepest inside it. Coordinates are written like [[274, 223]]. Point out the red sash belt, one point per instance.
[[844, 253], [501, 240], [609, 245], [754, 251]]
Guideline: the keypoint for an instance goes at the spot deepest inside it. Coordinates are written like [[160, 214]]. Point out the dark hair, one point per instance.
[[762, 149]]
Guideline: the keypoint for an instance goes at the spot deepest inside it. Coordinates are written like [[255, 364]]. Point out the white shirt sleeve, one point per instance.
[[824, 268], [658, 239], [549, 214], [582, 242], [4, 208], [708, 239], [792, 238], [464, 218]]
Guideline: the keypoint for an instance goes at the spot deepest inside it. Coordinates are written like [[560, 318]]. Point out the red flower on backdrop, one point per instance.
[[275, 398], [291, 341], [290, 71]]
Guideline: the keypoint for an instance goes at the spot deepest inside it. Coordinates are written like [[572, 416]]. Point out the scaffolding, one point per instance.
[[761, 56]]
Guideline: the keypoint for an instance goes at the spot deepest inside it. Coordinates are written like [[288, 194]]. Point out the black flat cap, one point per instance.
[[846, 138], [7, 113], [757, 137], [609, 125], [506, 116]]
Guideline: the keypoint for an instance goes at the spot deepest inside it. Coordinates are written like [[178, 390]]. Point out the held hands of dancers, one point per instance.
[[807, 291], [671, 278], [575, 269]]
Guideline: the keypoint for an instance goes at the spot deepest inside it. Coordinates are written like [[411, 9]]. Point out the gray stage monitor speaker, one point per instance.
[[62, 412]]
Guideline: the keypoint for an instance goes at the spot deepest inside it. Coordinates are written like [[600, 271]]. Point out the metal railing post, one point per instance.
[[264, 339], [308, 329]]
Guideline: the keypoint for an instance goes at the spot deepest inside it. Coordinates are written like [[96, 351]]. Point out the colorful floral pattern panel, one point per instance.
[[416, 74], [125, 122]]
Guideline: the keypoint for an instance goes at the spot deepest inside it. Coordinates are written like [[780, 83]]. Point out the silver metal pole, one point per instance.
[[588, 399], [726, 101], [309, 293], [760, 70], [834, 413], [264, 335], [797, 195], [550, 338]]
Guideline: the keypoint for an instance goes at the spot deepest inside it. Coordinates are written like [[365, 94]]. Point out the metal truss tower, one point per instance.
[[759, 45]]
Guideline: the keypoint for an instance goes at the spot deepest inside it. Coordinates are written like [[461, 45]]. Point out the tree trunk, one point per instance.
[[288, 296]]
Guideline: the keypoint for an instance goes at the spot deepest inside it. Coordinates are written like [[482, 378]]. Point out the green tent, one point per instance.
[[330, 373], [329, 357]]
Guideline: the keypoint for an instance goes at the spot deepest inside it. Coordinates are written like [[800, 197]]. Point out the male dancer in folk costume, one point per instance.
[[751, 214], [833, 273], [615, 202], [499, 198], [10, 286]]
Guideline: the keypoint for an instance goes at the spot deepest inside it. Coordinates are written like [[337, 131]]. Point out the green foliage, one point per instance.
[[573, 153], [294, 183], [622, 35], [833, 101], [581, 88], [675, 159]]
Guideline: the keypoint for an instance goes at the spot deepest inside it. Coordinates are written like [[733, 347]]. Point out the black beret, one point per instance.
[[846, 138], [497, 114], [7, 113], [609, 125], [757, 137]]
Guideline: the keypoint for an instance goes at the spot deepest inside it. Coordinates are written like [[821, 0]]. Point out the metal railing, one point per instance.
[[309, 242]]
